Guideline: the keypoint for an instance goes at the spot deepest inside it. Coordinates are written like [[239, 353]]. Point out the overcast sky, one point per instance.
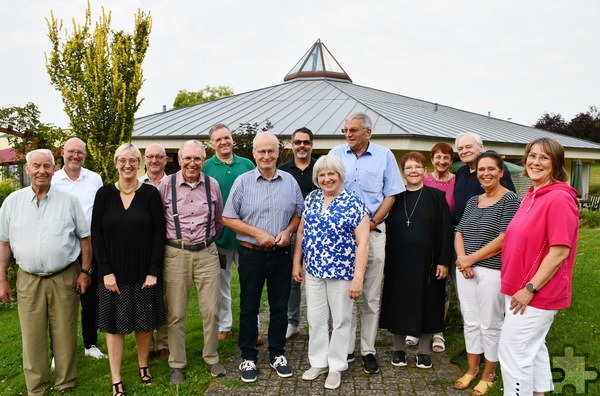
[[516, 59]]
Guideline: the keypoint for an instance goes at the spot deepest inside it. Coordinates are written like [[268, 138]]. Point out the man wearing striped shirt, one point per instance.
[[264, 208]]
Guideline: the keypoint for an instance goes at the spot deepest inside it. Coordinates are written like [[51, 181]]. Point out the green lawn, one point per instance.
[[577, 327], [595, 179], [94, 375]]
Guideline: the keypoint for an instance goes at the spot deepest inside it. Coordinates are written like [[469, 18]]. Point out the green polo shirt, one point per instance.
[[225, 174]]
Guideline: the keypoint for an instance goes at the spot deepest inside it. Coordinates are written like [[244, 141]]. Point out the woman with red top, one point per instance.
[[537, 266], [441, 158]]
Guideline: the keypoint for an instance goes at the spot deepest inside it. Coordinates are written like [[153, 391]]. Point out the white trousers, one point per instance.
[[524, 358], [371, 300], [482, 308], [225, 315], [325, 297]]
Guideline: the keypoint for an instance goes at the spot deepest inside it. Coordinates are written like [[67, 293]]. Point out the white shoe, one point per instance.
[[334, 380], [52, 364], [411, 341], [94, 352], [291, 331], [313, 372]]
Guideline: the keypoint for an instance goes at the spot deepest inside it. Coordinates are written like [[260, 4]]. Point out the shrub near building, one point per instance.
[[6, 188]]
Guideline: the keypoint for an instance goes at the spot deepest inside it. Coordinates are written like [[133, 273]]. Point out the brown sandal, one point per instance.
[[145, 376], [118, 389]]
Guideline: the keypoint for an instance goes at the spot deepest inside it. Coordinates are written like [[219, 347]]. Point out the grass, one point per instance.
[[93, 376], [595, 178], [577, 327]]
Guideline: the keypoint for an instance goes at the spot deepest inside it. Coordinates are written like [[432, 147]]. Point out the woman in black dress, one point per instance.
[[418, 253], [128, 238]]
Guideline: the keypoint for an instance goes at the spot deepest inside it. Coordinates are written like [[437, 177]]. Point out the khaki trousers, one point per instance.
[[181, 268], [48, 304]]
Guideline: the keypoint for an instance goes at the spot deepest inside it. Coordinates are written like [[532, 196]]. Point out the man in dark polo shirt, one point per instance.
[[301, 167]]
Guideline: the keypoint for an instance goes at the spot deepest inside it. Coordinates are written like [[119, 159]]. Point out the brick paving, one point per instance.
[[390, 380]]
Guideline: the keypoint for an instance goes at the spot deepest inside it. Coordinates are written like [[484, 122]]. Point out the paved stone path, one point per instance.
[[390, 380]]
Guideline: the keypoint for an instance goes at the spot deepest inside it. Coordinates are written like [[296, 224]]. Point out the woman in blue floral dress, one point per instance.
[[333, 241]]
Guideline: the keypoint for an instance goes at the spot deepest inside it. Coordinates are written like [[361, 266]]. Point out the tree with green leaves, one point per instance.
[[99, 74], [206, 94], [26, 132]]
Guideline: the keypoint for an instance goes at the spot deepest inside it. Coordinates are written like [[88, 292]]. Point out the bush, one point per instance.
[[588, 218], [6, 188]]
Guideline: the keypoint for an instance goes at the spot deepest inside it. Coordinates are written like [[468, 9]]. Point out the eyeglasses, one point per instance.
[[262, 153], [75, 152], [130, 161], [300, 142], [153, 157], [351, 130], [412, 168], [196, 160]]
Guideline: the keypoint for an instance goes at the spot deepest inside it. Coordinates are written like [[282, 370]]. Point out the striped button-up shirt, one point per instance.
[[266, 204]]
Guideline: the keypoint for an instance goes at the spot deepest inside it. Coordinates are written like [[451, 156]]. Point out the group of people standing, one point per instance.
[[345, 225]]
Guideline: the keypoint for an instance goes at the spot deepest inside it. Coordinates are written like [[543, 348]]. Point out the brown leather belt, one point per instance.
[[259, 247], [192, 247]]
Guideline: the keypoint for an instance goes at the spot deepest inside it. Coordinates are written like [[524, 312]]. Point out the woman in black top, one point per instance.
[[128, 238]]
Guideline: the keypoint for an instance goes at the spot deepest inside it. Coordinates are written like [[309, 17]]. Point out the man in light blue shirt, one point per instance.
[[372, 173], [46, 230]]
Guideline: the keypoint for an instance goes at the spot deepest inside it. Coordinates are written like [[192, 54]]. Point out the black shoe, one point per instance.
[[350, 358], [248, 371], [280, 364], [399, 358], [370, 364], [423, 361]]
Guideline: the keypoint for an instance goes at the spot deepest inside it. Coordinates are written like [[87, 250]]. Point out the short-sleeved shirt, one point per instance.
[[226, 173], [43, 239], [304, 177], [467, 185], [192, 208], [84, 188], [372, 175], [328, 242], [265, 204], [480, 226]]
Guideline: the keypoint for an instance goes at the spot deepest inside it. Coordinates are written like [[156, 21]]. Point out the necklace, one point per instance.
[[121, 189], [413, 210]]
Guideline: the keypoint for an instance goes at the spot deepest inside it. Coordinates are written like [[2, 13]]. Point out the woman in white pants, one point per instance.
[[478, 241], [333, 239], [537, 267]]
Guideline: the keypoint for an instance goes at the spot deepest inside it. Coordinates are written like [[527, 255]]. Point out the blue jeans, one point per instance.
[[254, 268]]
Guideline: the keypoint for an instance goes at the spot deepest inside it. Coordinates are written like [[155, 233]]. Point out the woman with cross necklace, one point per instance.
[[418, 253]]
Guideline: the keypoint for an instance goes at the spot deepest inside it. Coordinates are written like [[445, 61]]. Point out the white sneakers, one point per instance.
[[94, 352], [334, 380], [291, 331], [313, 372]]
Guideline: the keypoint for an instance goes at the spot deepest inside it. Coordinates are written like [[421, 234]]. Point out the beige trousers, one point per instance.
[[48, 304], [181, 268]]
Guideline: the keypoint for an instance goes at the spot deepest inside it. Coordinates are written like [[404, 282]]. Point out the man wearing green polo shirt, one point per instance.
[[225, 167]]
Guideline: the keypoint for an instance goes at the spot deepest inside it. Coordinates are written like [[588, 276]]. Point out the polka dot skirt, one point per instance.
[[135, 309]]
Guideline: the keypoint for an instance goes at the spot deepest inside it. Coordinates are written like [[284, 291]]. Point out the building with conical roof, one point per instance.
[[318, 94]]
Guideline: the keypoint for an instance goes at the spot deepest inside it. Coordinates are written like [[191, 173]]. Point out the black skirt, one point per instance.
[[135, 309]]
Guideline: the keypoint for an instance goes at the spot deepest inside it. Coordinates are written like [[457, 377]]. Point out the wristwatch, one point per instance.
[[531, 288], [88, 271]]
